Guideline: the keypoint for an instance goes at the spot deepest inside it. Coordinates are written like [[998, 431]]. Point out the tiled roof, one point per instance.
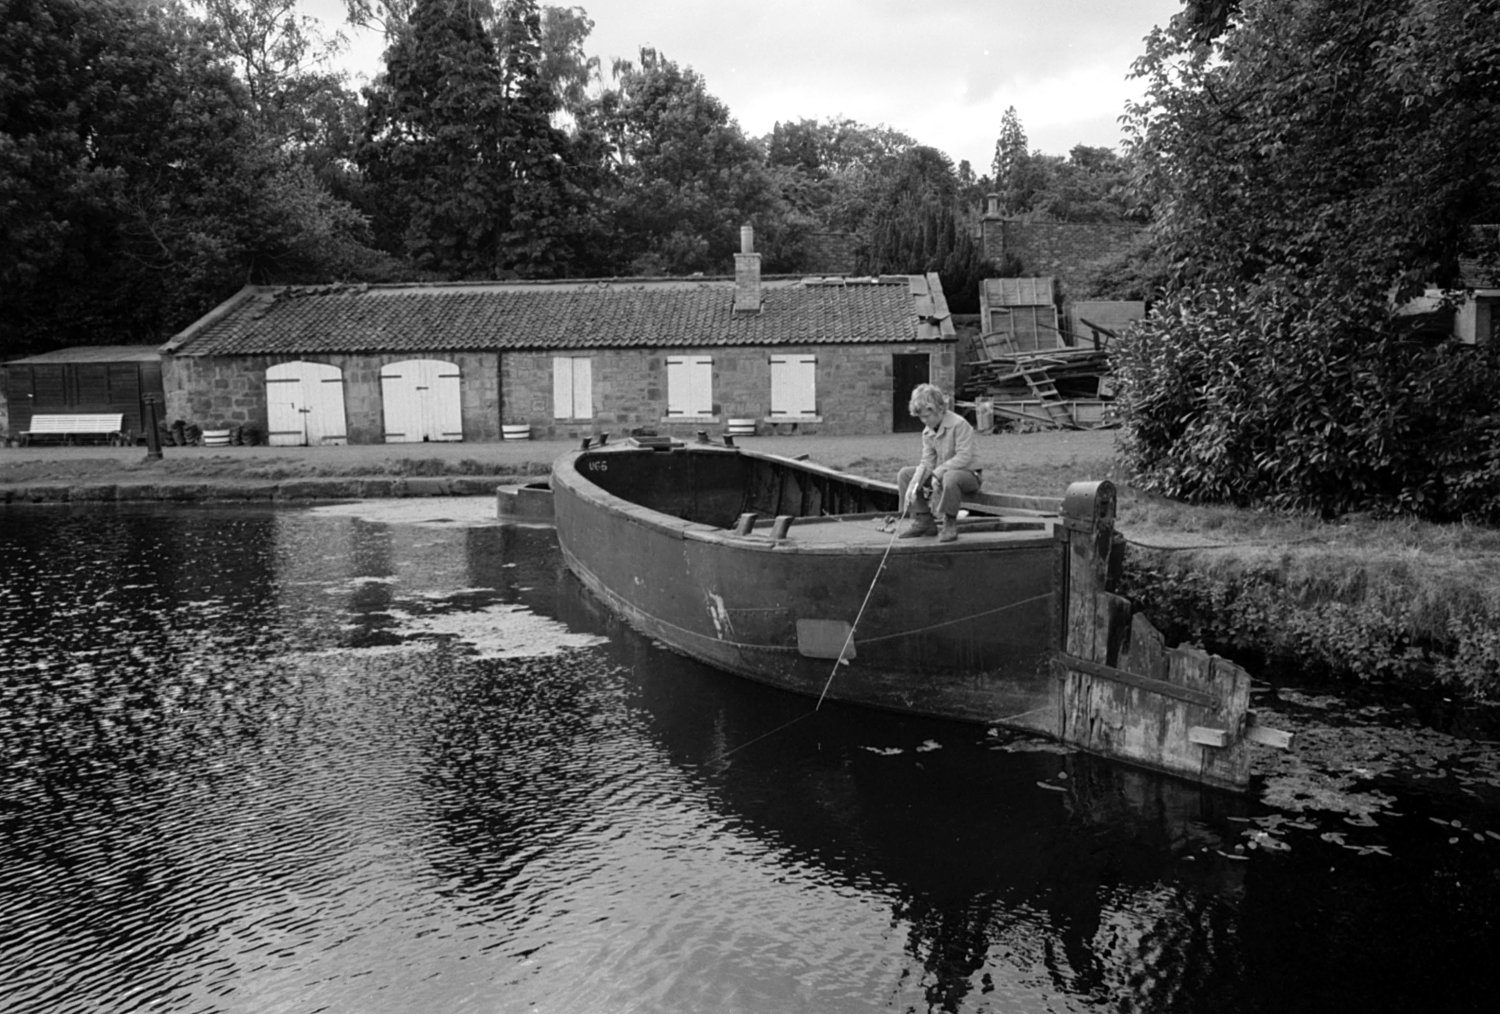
[[626, 313]]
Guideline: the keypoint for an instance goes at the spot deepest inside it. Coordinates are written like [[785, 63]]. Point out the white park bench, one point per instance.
[[107, 425]]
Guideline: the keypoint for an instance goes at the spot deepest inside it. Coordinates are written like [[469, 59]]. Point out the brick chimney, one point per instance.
[[747, 273]]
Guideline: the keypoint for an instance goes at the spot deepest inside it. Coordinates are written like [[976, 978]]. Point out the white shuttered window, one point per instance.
[[572, 388], [794, 386], [690, 386]]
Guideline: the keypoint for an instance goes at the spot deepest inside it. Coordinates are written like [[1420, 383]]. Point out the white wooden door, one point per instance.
[[421, 401], [305, 404]]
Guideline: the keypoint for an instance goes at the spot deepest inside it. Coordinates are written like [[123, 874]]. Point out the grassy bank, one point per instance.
[[1360, 600]]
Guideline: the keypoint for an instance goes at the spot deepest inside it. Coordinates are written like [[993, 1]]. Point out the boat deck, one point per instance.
[[848, 531]]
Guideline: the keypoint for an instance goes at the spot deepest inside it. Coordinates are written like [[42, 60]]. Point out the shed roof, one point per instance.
[[611, 313], [91, 354]]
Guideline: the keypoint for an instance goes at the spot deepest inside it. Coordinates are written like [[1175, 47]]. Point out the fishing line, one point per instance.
[[765, 735], [895, 533]]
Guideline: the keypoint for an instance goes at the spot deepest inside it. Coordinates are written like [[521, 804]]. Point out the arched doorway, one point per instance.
[[305, 404], [421, 401]]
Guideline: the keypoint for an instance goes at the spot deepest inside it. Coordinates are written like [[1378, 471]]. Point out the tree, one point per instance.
[[301, 106], [833, 172], [283, 60], [1326, 144], [917, 226], [686, 175], [136, 189], [1090, 185], [389, 15], [1313, 163], [1014, 169], [460, 152], [566, 69]]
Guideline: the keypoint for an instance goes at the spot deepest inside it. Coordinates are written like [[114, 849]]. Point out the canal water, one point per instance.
[[390, 757]]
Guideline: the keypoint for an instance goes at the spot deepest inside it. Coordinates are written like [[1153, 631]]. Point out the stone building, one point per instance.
[[488, 360]]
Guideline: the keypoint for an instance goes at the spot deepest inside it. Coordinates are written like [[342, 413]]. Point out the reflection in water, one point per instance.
[[256, 759]]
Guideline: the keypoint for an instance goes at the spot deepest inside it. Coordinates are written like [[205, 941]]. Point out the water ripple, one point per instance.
[[258, 760]]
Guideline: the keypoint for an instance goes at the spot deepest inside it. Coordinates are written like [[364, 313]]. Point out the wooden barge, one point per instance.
[[788, 573]]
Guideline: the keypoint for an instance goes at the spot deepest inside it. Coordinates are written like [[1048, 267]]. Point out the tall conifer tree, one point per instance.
[[460, 147]]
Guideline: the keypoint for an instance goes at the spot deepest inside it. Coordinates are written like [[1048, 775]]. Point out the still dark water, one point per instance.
[[275, 760]]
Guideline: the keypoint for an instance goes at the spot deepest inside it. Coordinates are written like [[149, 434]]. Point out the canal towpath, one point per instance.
[[55, 473]]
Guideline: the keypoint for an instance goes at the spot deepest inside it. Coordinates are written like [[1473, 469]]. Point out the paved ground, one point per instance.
[[1087, 451]]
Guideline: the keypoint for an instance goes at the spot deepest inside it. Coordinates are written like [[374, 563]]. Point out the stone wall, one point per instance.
[[1066, 251], [229, 391], [854, 390]]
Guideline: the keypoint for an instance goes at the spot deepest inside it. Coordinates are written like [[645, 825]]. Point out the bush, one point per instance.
[[1256, 400]]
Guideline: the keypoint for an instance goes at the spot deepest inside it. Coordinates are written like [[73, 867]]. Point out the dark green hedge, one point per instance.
[[1254, 400]]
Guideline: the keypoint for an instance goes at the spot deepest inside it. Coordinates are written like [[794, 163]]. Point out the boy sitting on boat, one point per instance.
[[937, 484]]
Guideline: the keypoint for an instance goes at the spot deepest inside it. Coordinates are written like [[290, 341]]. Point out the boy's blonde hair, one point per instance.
[[925, 395]]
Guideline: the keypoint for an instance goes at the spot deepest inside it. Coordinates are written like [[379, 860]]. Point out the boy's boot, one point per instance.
[[920, 524], [950, 528]]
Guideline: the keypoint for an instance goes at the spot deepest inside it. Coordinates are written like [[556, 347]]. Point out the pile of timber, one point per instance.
[[1060, 388]]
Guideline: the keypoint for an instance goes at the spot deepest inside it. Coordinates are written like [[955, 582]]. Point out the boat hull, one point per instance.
[[835, 607]]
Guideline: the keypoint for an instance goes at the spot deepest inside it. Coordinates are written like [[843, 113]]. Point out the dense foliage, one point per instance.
[[685, 177], [466, 174], [156, 155], [1313, 166], [915, 223], [140, 182], [1090, 185], [1278, 402]]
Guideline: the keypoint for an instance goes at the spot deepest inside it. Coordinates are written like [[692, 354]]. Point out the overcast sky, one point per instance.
[[941, 71]]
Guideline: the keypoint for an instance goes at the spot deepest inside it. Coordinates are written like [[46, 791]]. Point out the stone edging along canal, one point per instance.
[[327, 488]]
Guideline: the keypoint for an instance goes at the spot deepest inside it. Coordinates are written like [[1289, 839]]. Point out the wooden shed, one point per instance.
[[84, 379], [1019, 314]]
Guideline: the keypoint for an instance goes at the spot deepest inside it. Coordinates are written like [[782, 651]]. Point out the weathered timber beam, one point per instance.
[[1267, 736], [1187, 695]]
